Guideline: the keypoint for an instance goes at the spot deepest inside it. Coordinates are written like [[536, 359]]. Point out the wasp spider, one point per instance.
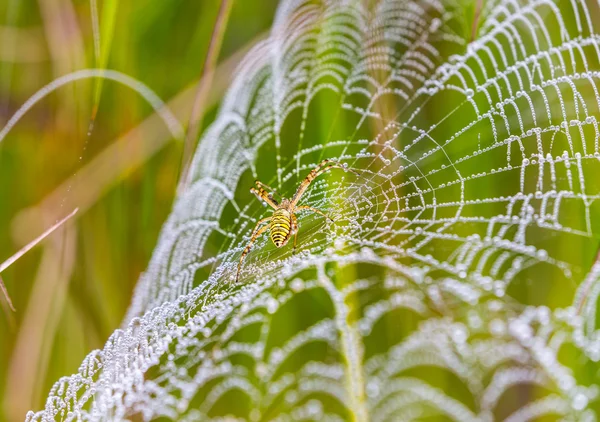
[[283, 223]]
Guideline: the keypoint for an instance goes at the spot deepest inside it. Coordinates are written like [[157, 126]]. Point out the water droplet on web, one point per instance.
[[580, 402], [297, 285], [467, 234]]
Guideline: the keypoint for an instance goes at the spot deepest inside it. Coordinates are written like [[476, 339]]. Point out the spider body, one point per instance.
[[284, 223], [280, 226]]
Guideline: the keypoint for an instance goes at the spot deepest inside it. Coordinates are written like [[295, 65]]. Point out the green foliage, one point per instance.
[[162, 44], [459, 280]]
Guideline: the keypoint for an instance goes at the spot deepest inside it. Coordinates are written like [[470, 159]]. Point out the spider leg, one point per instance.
[[263, 195], [323, 167], [306, 207], [327, 164], [266, 187], [255, 234]]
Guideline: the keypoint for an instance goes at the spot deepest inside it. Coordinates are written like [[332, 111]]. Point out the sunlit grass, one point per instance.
[[109, 141], [73, 291]]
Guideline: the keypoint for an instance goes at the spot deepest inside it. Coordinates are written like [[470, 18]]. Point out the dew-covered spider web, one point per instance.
[[459, 280]]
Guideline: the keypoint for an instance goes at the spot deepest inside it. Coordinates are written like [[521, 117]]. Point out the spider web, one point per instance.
[[459, 280]]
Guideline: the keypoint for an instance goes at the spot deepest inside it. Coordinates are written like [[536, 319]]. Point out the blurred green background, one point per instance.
[[72, 291]]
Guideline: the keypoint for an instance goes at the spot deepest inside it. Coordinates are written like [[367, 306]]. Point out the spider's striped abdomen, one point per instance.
[[280, 227]]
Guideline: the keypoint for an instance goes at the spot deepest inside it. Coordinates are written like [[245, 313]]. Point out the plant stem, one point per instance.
[[35, 241], [6, 296], [478, 8], [203, 88], [589, 282], [352, 349]]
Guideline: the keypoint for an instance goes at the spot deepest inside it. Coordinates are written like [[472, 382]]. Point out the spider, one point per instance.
[[284, 223]]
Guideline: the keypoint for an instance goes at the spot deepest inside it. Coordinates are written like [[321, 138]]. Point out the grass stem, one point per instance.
[[203, 89]]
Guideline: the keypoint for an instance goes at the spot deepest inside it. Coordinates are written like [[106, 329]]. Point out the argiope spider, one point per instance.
[[283, 223]]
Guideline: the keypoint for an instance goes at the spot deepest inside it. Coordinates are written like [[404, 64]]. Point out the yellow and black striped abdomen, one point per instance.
[[280, 227]]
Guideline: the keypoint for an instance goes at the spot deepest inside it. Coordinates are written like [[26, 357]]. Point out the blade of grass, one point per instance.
[[6, 296], [207, 75], [588, 284], [35, 241], [122, 156], [25, 249], [31, 49], [67, 53], [475, 25], [149, 95], [8, 313], [102, 49], [9, 45], [95, 30], [30, 358]]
